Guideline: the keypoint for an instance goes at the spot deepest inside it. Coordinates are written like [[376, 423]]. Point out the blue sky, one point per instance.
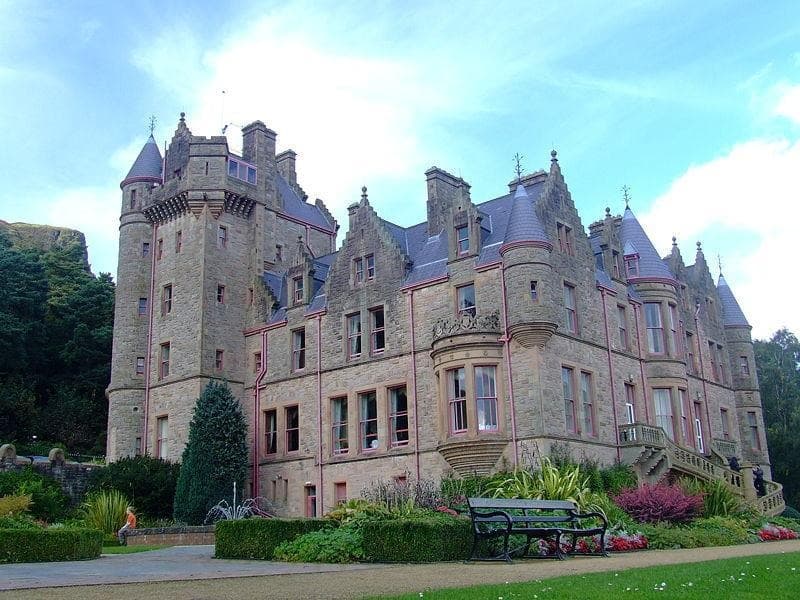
[[694, 105]]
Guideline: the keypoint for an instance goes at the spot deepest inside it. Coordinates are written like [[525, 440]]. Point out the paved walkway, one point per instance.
[[189, 572]]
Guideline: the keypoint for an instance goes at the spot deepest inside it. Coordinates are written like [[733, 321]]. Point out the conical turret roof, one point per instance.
[[147, 166], [524, 226], [633, 237], [732, 315]]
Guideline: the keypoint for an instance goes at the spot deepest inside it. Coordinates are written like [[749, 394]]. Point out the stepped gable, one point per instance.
[[635, 241], [147, 166], [524, 227], [732, 315]]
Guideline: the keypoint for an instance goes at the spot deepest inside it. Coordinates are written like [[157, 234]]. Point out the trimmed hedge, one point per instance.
[[417, 540], [258, 538], [47, 545]]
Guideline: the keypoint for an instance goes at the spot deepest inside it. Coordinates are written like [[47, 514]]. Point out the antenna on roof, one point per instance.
[[626, 195], [518, 166], [719, 262], [152, 125], [222, 113]]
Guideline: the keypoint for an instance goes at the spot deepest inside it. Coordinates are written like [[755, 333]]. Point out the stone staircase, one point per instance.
[[652, 455]]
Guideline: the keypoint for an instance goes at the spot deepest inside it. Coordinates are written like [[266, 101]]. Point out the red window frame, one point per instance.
[[398, 418], [164, 355], [256, 362], [370, 260], [457, 400], [466, 309], [270, 432], [299, 349], [358, 270], [311, 501], [339, 492], [462, 239], [140, 365], [632, 266], [725, 423], [340, 442], [587, 403], [142, 307], [178, 241], [622, 324], [162, 443], [368, 421], [486, 398], [222, 237], [568, 389], [354, 331], [298, 291], [377, 333], [656, 344], [665, 420], [219, 359], [166, 299], [570, 308], [292, 428], [752, 424]]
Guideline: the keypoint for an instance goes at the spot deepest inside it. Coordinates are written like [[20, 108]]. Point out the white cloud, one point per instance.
[[789, 104], [745, 206]]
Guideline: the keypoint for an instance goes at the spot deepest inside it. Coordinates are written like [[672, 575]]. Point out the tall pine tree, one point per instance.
[[215, 456]]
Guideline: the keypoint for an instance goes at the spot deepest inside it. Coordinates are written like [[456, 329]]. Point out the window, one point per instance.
[[339, 492], [220, 294], [712, 357], [744, 366], [339, 437], [534, 291], [140, 365], [311, 501], [241, 170], [457, 399], [137, 446], [752, 426], [250, 296], [398, 416], [377, 333], [721, 364], [630, 402], [655, 329], [270, 431], [663, 401], [358, 270], [163, 368], [142, 306], [299, 295], [698, 427], [462, 239], [145, 249], [368, 420], [219, 359], [299, 349], [370, 267], [570, 311], [615, 270], [565, 238], [278, 252], [257, 362], [622, 321], [486, 398], [673, 330], [632, 266], [726, 426], [162, 437], [292, 428], [178, 241], [354, 335], [222, 237], [569, 399], [587, 404], [133, 199], [166, 299], [684, 402], [465, 297], [691, 367], [159, 249]]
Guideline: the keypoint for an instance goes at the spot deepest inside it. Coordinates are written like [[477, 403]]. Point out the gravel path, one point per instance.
[[355, 581]]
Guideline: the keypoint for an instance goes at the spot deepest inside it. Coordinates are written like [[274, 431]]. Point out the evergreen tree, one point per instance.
[[215, 456]]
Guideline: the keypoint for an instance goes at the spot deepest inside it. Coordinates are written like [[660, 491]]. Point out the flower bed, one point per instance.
[[771, 533]]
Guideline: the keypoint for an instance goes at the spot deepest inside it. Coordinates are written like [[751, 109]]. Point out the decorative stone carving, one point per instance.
[[488, 323], [8, 454], [473, 457], [56, 456]]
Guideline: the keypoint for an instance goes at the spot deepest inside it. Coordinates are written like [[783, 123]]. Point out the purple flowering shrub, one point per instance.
[[656, 503]]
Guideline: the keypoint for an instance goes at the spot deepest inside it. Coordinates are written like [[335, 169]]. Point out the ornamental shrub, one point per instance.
[[334, 545], [715, 531], [105, 511], [257, 538], [49, 502], [618, 477], [46, 545], [791, 513], [718, 499], [215, 456], [417, 540], [148, 482], [659, 503], [14, 505]]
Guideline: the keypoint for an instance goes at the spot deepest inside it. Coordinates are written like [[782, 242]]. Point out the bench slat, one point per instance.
[[506, 503]]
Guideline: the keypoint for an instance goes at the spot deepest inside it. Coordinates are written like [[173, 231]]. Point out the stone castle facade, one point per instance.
[[454, 345]]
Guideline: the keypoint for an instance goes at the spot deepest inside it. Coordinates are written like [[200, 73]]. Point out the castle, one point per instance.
[[449, 346]]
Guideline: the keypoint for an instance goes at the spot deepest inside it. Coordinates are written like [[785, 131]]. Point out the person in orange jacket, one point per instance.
[[130, 523]]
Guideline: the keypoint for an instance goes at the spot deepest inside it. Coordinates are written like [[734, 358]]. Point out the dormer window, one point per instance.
[[462, 239], [298, 290], [241, 170], [565, 239], [632, 265]]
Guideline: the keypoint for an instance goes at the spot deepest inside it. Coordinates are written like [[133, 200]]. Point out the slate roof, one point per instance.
[[732, 315], [148, 164], [633, 237], [524, 224], [295, 206]]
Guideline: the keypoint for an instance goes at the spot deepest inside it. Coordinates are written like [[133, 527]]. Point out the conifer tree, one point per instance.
[[215, 456]]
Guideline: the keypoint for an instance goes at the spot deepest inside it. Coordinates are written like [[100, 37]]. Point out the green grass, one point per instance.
[[769, 576], [129, 549]]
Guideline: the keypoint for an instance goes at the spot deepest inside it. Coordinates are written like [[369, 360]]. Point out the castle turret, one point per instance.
[[529, 289], [126, 392]]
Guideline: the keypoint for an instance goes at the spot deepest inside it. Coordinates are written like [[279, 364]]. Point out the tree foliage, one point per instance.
[[215, 456], [56, 326], [778, 366]]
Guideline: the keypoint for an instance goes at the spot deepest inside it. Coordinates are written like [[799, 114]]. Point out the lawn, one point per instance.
[[768, 576], [129, 549]]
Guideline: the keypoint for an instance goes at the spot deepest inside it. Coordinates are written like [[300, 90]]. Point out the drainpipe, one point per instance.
[[257, 412], [703, 379], [641, 364], [148, 359], [320, 494], [414, 380], [506, 342], [610, 373]]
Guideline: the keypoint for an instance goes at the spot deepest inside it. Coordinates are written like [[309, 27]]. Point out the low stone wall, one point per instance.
[[171, 536]]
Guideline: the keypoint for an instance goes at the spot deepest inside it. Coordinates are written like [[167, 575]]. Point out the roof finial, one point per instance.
[[553, 155], [183, 116], [719, 262], [626, 195], [152, 125], [699, 246], [674, 241], [608, 212], [518, 166], [364, 193]]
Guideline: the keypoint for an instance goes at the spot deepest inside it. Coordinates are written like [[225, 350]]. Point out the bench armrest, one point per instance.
[[592, 514], [483, 517]]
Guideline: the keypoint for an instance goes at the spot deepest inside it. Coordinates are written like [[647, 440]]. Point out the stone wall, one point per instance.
[[171, 536]]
